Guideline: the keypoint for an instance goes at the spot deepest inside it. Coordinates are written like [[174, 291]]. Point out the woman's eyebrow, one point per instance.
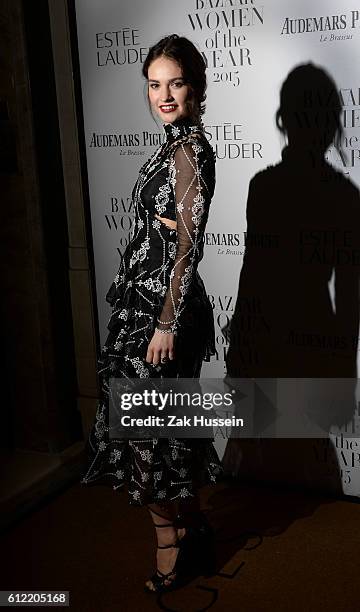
[[179, 78]]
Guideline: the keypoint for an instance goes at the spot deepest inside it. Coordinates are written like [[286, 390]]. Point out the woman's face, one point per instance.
[[167, 90]]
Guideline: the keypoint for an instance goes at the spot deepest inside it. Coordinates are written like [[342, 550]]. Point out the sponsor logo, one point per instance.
[[129, 139], [119, 48], [228, 142], [329, 26], [231, 241]]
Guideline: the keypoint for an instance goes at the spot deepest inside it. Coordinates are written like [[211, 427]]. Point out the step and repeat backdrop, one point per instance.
[[249, 47]]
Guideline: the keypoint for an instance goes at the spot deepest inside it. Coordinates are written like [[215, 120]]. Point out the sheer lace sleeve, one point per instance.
[[192, 200]]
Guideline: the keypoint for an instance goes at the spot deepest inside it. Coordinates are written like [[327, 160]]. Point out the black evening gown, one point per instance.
[[158, 278]]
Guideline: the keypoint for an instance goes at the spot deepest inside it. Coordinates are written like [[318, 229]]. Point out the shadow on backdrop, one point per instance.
[[297, 309]]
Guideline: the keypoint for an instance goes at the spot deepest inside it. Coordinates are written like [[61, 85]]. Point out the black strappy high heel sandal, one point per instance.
[[166, 582]]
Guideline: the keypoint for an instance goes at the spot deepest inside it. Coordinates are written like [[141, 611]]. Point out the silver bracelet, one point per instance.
[[164, 331], [166, 322]]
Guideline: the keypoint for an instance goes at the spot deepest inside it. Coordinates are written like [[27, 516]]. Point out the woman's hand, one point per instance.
[[161, 348], [170, 224]]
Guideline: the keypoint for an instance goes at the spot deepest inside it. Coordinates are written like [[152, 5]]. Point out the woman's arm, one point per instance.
[[192, 200]]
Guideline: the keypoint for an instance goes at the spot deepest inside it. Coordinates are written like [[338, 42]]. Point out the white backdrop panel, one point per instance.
[[250, 47]]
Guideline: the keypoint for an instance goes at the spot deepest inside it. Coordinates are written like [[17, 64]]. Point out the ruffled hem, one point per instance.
[[154, 471]]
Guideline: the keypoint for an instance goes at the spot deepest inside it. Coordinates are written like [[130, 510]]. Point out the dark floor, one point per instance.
[[277, 551]]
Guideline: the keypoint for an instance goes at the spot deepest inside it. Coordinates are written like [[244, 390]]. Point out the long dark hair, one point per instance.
[[192, 64]]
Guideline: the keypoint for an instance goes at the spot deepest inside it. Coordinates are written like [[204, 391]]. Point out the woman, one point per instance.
[[162, 321]]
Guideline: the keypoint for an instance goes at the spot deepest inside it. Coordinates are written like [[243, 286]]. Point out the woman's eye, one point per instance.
[[178, 84], [154, 85]]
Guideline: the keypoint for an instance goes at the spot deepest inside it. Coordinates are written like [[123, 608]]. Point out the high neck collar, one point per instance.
[[179, 128]]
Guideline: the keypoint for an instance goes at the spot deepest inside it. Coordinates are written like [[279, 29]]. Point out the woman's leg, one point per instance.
[[185, 514], [168, 537]]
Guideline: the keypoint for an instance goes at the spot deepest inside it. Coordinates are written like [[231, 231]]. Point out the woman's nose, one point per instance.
[[165, 93]]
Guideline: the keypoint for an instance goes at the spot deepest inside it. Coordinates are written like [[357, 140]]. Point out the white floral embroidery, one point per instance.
[[172, 173], [175, 131], [162, 198], [115, 455], [185, 281], [146, 455], [174, 453], [139, 367], [153, 284], [102, 446], [100, 422], [119, 474], [119, 278], [140, 254], [172, 250]]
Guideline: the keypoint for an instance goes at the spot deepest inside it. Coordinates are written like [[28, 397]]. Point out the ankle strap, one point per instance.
[[176, 545]]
